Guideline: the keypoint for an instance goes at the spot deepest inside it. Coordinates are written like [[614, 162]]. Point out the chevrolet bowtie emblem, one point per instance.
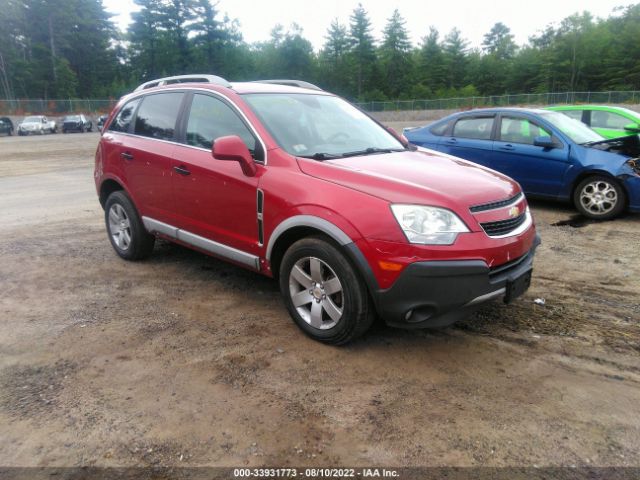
[[514, 212]]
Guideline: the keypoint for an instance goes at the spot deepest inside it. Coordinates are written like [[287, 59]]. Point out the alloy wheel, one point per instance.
[[316, 293], [119, 226], [598, 197]]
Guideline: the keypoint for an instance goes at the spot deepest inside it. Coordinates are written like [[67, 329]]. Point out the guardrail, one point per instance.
[[612, 97]]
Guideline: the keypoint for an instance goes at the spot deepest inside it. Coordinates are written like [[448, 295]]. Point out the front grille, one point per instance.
[[503, 227], [493, 205]]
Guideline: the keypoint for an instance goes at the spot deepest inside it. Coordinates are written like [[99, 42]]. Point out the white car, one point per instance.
[[37, 124]]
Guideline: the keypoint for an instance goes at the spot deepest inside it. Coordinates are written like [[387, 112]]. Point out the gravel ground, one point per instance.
[[186, 360]]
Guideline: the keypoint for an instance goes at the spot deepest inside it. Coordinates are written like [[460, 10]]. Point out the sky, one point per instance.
[[472, 17]]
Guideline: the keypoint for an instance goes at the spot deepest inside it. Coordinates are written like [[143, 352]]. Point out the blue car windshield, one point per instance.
[[574, 129], [320, 126]]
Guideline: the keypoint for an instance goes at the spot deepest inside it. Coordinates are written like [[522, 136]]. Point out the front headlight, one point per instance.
[[428, 225]]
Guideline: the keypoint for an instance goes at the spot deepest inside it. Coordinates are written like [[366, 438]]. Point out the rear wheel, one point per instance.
[[599, 197], [323, 293], [126, 231]]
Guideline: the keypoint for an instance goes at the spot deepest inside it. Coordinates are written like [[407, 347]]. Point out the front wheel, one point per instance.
[[323, 293], [126, 231], [599, 197]]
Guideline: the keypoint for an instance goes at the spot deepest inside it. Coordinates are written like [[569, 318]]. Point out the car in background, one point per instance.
[[101, 120], [610, 122], [76, 123], [6, 125], [549, 154], [37, 124]]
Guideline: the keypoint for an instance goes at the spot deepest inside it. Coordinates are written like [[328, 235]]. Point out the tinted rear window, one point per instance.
[[439, 128], [475, 127], [157, 115]]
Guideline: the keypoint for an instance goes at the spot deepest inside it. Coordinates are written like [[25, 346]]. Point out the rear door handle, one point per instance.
[[182, 170], [451, 140], [126, 156]]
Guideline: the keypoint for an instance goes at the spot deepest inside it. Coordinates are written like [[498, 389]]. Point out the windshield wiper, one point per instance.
[[321, 156], [370, 150]]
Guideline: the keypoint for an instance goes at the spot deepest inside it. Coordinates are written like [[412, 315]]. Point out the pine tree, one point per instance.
[[334, 59], [431, 67], [455, 50], [362, 48], [499, 42], [394, 53]]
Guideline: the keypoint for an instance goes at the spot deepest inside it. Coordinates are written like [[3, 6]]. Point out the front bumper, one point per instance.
[[632, 186], [439, 293]]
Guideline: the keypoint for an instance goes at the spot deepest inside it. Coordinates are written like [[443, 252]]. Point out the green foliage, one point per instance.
[[394, 55], [362, 50], [70, 48]]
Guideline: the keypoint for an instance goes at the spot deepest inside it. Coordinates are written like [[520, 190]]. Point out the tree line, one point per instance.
[[71, 49]]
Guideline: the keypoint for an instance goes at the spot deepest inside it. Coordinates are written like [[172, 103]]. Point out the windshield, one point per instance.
[[630, 113], [31, 119], [72, 118], [574, 129], [320, 126]]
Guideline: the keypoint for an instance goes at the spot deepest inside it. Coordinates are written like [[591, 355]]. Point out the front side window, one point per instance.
[[210, 118], [319, 126], [157, 115], [123, 120], [520, 130], [474, 127], [613, 121]]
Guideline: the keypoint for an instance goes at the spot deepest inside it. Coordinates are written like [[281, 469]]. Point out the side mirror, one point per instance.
[[544, 142], [401, 138], [232, 148], [632, 127]]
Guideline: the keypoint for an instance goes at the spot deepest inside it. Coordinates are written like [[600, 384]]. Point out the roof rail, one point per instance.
[[184, 79], [291, 83]]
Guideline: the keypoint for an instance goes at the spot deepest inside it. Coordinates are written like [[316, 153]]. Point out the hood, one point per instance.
[[628, 146], [421, 176], [29, 124]]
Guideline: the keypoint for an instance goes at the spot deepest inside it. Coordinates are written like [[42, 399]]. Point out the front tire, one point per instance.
[[599, 197], [125, 229], [323, 292]]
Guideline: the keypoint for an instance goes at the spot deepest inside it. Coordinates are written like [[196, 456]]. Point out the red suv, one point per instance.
[[298, 184]]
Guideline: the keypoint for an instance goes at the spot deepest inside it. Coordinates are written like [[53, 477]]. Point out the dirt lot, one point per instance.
[[186, 360]]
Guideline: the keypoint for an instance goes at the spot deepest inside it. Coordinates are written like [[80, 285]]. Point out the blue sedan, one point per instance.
[[549, 154]]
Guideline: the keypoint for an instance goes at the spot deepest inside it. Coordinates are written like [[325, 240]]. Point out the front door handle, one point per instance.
[[451, 140], [508, 146], [126, 156], [182, 170]]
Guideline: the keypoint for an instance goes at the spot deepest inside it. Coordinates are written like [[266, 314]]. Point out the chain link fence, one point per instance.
[[55, 107], [97, 106], [613, 97]]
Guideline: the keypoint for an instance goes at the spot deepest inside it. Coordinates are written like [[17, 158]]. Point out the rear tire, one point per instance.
[[324, 293], [599, 197], [125, 229]]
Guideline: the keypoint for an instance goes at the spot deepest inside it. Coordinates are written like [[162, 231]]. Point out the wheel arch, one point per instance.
[[107, 188], [295, 228]]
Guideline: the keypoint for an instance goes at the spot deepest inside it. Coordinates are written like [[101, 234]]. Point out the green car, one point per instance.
[[610, 122]]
